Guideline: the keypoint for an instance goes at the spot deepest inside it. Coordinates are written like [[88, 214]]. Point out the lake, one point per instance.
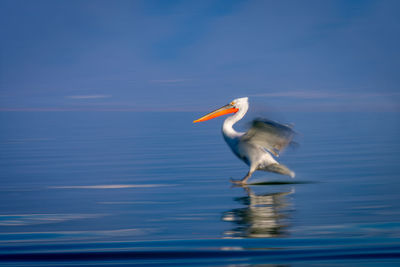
[[126, 188]]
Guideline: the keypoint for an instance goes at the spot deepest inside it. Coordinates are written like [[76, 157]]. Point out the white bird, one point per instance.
[[257, 146]]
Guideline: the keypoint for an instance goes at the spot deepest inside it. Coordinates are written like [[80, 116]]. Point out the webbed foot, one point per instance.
[[243, 181], [238, 182]]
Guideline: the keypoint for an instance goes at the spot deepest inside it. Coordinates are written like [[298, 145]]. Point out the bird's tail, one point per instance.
[[279, 168]]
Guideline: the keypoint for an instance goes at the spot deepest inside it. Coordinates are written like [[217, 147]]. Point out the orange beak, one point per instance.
[[219, 112]]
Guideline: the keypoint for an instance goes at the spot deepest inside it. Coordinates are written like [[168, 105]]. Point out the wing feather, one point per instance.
[[271, 135]]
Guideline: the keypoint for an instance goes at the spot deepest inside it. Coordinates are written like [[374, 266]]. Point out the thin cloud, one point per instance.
[[323, 95], [169, 81], [299, 94], [335, 101], [88, 96]]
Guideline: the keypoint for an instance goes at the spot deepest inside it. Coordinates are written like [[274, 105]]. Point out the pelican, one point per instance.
[[258, 146]]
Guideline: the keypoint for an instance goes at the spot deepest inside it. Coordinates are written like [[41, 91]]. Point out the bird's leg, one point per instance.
[[244, 180]]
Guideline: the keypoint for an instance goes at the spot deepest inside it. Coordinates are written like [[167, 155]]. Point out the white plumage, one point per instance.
[[258, 146]]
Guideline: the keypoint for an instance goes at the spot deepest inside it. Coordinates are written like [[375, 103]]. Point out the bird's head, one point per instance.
[[233, 107]]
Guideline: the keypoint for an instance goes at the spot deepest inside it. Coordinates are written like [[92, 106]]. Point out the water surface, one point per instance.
[[152, 188]]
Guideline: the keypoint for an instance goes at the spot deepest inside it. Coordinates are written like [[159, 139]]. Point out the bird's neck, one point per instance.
[[227, 127]]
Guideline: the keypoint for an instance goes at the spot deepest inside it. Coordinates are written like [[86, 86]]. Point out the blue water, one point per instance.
[[115, 188]]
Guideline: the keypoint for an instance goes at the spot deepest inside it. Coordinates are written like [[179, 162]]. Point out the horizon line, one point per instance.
[[298, 109]]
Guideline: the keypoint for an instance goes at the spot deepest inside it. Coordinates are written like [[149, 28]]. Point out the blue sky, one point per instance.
[[192, 55]]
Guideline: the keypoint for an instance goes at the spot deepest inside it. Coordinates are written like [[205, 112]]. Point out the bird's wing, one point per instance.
[[271, 135]]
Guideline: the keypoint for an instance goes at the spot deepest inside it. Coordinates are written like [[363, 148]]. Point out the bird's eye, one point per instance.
[[232, 103]]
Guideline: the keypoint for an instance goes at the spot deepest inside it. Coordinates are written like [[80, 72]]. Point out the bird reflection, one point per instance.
[[264, 215]]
